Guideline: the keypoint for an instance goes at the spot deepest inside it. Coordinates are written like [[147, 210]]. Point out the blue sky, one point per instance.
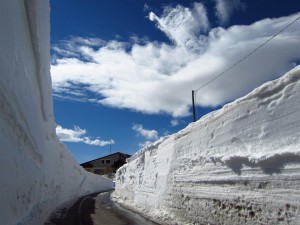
[[123, 71]]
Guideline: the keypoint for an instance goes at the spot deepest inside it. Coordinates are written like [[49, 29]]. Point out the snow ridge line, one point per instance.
[[268, 89]]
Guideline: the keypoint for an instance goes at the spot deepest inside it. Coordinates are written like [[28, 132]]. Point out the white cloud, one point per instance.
[[78, 135], [225, 8], [176, 122], [183, 25], [146, 7], [145, 144], [149, 134], [158, 78]]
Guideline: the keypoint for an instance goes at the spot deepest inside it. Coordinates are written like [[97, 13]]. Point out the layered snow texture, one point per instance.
[[237, 165], [37, 172]]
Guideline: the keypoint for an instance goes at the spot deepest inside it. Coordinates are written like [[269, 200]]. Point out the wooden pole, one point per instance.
[[194, 109]]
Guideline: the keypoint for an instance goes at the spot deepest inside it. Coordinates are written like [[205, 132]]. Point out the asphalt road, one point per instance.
[[96, 209]]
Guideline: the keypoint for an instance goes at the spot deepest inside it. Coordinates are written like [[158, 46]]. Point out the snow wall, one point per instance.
[[37, 172], [237, 165]]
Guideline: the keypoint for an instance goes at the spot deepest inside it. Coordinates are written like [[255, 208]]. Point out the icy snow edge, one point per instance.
[[270, 94]]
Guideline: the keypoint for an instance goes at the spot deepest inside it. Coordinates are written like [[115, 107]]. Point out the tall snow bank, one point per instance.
[[237, 165], [37, 172]]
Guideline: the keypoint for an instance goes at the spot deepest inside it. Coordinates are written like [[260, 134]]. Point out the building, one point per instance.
[[107, 164]]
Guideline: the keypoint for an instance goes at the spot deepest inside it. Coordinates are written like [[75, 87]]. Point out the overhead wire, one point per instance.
[[245, 57]]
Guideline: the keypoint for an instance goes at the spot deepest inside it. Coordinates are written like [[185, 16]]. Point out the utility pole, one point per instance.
[[194, 109], [110, 149]]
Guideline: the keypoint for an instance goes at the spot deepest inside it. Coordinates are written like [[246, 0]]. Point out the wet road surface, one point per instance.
[[96, 209]]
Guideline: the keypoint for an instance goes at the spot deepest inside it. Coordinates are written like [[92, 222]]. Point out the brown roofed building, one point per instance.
[[106, 165]]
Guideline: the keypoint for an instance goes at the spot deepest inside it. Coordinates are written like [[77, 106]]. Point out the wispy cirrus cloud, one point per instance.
[[154, 77], [225, 8], [78, 135], [183, 26]]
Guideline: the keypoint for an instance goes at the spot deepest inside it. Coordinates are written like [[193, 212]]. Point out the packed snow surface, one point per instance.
[[37, 172], [237, 165]]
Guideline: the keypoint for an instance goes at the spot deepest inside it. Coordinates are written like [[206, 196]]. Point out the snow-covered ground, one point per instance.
[[237, 165], [37, 173]]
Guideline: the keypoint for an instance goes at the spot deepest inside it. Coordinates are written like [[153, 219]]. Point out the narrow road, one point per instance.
[[96, 209]]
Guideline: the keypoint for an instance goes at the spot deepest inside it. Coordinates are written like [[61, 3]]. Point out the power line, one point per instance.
[[238, 62]]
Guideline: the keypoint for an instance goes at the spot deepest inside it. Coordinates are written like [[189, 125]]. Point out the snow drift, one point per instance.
[[37, 172], [237, 165]]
